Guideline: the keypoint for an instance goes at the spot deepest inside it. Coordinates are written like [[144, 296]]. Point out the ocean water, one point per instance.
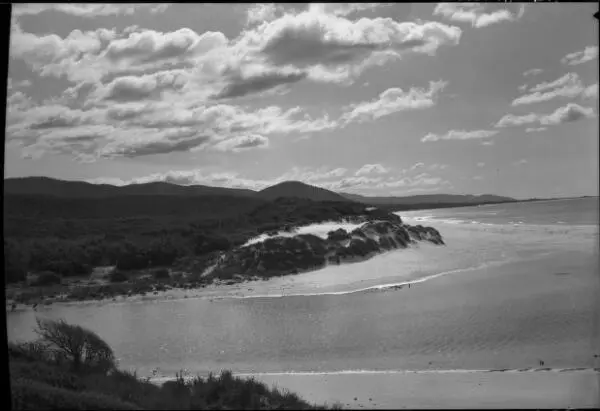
[[515, 284]]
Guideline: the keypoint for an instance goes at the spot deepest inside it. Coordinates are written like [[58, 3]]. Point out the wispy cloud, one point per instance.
[[460, 135], [393, 100], [533, 72], [475, 13], [87, 10], [570, 113], [567, 86], [579, 57], [535, 129], [371, 169]]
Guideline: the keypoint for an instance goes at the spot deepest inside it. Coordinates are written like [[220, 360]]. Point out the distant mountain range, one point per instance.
[[429, 199], [79, 189]]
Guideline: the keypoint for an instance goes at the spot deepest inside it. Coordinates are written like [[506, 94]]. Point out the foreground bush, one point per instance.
[[74, 345], [41, 379], [47, 278], [33, 395]]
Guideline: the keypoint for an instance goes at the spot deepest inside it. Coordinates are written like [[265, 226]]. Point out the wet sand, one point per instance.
[[452, 390]]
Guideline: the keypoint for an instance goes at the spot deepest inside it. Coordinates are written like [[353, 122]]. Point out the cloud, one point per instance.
[[393, 100], [344, 9], [475, 14], [243, 143], [480, 164], [150, 46], [460, 135], [239, 86], [260, 12], [138, 143], [371, 169], [520, 162], [570, 113], [309, 175], [568, 86], [132, 88], [333, 48], [591, 92], [319, 44], [534, 129], [420, 181], [352, 183], [532, 72], [479, 178], [510, 120], [87, 10], [134, 128], [579, 57], [416, 165], [437, 167], [523, 87], [567, 114]]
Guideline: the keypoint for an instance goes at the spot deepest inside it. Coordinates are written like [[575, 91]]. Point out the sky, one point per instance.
[[365, 98]]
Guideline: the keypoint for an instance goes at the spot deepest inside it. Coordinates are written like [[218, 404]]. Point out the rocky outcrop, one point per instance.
[[281, 255]]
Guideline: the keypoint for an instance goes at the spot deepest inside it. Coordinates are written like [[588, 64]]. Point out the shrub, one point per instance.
[[31, 395], [161, 274], [117, 276], [47, 278], [75, 344], [45, 373]]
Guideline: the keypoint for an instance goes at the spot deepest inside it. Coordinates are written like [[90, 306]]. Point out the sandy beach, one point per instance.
[[450, 390]]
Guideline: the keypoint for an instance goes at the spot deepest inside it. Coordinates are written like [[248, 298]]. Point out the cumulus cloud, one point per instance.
[[480, 164], [334, 48], [371, 169], [131, 128], [393, 100], [138, 88], [532, 72], [579, 57], [260, 12], [475, 13], [320, 44], [567, 86], [459, 135], [591, 92], [570, 113], [150, 46], [567, 114]]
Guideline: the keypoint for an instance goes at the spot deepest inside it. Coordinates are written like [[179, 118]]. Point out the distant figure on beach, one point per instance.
[[35, 306], [13, 307], [409, 285], [541, 363]]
